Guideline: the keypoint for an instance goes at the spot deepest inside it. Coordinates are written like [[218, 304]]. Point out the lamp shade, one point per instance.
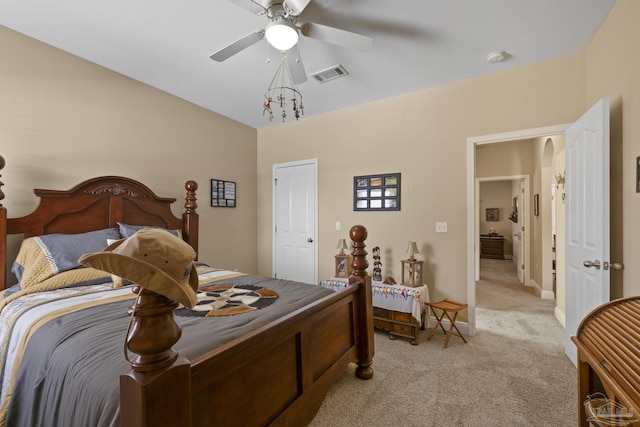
[[412, 249], [281, 34], [342, 245]]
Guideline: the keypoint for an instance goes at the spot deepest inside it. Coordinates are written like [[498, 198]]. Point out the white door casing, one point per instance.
[[522, 236], [587, 217], [295, 221]]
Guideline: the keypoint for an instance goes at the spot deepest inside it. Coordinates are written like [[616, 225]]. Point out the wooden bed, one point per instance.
[[303, 352]]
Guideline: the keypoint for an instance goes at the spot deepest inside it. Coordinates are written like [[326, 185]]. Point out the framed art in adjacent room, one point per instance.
[[492, 214], [342, 266], [638, 174]]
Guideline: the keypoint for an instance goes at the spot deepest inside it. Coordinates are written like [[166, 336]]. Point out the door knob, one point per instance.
[[589, 264], [612, 266], [310, 240]]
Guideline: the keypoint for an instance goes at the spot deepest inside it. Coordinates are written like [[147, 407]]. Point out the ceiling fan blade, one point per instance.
[[256, 7], [336, 36], [298, 73], [296, 6], [237, 46]]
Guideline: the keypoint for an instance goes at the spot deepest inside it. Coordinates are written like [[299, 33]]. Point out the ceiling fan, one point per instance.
[[282, 32]]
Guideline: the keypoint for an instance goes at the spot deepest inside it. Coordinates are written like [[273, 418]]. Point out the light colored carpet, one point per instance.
[[513, 372]]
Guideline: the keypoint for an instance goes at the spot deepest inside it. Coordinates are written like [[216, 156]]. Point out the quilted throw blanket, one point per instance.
[[62, 351]]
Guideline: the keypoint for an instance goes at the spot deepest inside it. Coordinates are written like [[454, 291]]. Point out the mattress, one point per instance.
[[63, 350]]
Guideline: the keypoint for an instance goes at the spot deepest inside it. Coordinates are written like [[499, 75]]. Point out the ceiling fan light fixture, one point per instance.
[[281, 34]]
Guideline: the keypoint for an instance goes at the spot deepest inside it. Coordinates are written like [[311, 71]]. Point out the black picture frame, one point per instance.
[[492, 214], [379, 192], [223, 193], [638, 174]]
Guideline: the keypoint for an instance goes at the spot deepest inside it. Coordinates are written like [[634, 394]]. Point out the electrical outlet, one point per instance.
[[441, 227]]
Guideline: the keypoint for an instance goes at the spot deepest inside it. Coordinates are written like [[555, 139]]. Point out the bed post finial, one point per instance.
[[152, 310], [190, 218], [157, 368], [358, 234]]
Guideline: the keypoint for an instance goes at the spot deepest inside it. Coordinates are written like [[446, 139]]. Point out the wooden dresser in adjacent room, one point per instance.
[[491, 246]]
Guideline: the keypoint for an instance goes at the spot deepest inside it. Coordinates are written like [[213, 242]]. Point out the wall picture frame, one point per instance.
[[343, 269], [638, 174], [492, 214], [223, 193], [379, 192]]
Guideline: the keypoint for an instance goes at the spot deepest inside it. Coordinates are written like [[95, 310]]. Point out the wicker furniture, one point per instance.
[[608, 340]]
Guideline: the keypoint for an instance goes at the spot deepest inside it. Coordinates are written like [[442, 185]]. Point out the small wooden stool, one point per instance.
[[446, 306]]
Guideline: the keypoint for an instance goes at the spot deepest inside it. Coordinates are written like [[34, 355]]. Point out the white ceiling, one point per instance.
[[417, 44]]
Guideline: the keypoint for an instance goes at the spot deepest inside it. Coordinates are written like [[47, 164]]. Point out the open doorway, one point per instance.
[[501, 231], [473, 210]]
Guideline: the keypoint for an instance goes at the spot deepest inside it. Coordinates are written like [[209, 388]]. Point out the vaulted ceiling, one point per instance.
[[417, 44]]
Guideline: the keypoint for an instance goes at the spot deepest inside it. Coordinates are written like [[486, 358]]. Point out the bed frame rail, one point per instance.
[[277, 375]]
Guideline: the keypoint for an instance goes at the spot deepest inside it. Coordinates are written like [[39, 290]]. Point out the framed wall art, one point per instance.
[[638, 174], [223, 193], [492, 214], [376, 192]]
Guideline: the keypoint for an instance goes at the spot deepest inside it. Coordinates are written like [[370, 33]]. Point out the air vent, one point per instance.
[[332, 73]]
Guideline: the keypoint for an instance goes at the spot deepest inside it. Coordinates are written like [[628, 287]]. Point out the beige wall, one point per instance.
[[423, 135], [613, 70], [63, 119]]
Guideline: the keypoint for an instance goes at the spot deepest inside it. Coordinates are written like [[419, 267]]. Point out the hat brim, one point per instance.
[[144, 274]]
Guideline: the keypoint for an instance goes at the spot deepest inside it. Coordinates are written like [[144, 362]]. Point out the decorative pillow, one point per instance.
[[127, 230], [42, 257]]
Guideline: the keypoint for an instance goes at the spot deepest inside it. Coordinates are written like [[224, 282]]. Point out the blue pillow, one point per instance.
[[41, 257], [127, 230]]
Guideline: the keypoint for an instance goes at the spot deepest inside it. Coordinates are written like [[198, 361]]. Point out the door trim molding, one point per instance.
[[472, 142], [274, 168]]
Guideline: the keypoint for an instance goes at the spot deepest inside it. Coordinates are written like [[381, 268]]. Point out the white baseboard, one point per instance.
[[560, 316], [548, 295], [539, 292], [536, 288]]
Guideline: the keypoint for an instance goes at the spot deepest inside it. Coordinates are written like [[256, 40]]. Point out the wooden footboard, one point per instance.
[[276, 375]]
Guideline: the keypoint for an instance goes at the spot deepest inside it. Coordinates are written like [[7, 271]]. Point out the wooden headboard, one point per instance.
[[95, 204]]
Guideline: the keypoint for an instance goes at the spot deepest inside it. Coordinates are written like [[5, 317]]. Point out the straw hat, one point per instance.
[[154, 259]]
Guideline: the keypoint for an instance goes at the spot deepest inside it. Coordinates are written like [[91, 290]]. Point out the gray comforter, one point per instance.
[[69, 375]]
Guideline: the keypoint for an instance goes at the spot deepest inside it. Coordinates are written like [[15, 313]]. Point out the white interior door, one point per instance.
[[295, 228], [587, 217], [521, 233]]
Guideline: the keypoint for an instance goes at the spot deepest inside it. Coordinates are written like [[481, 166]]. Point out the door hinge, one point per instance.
[[275, 181]]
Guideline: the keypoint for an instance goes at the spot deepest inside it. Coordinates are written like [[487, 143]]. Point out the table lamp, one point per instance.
[[412, 249], [342, 245]]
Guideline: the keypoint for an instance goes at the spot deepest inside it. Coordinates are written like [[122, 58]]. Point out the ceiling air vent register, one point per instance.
[[329, 74]]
